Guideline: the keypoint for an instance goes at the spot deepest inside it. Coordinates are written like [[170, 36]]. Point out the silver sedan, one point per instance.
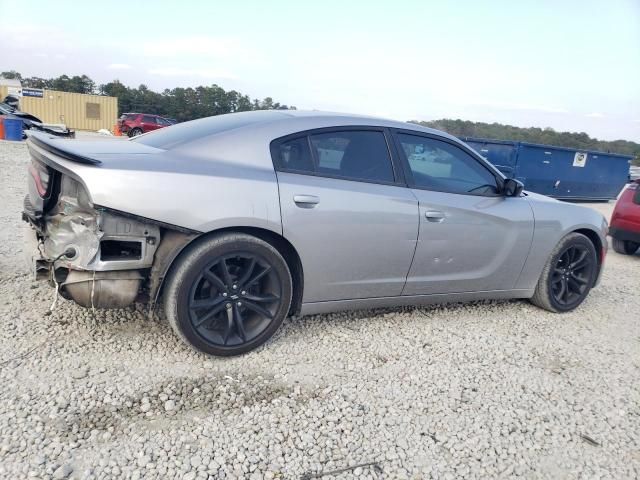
[[236, 221]]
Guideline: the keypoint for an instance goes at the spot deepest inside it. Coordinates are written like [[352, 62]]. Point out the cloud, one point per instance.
[[594, 115], [200, 45], [119, 66], [191, 72]]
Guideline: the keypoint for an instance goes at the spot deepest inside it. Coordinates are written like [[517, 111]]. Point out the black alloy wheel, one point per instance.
[[569, 274], [234, 299], [228, 294], [572, 275]]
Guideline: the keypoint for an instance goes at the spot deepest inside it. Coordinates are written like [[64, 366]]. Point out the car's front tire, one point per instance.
[[568, 275], [624, 247], [228, 294]]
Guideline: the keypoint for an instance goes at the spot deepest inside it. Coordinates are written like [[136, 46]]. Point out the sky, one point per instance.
[[569, 65]]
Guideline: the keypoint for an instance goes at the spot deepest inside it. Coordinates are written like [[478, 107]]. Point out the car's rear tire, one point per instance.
[[568, 275], [624, 247], [135, 132], [228, 294]]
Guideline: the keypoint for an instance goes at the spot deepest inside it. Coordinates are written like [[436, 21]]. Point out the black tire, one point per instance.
[[228, 294], [135, 132], [624, 247], [568, 275]]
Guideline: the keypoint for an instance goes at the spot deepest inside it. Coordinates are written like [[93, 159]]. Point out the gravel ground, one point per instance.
[[494, 389]]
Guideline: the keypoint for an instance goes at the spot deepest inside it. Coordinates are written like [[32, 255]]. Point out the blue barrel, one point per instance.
[[12, 129]]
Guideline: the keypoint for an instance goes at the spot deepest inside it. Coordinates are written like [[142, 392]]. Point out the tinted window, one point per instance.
[[148, 119], [294, 155], [361, 155], [441, 166]]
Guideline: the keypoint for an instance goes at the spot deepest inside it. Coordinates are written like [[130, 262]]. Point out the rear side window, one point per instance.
[[357, 155], [352, 155], [148, 119]]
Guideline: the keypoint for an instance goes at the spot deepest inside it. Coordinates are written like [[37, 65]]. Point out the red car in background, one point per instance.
[[134, 124], [625, 220]]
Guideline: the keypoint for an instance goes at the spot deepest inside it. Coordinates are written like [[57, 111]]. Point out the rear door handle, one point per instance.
[[434, 215], [306, 201]]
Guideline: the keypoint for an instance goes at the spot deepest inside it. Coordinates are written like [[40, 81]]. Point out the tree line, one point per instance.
[[190, 103], [180, 103], [546, 136]]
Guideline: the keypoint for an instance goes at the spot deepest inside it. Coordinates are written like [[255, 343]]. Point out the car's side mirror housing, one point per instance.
[[512, 187]]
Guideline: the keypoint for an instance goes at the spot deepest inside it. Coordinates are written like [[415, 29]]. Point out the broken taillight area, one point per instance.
[[41, 177]]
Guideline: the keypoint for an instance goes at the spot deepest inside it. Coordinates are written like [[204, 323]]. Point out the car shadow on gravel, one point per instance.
[[165, 401]]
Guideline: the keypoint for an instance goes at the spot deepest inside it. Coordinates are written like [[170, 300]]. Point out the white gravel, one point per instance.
[[497, 389]]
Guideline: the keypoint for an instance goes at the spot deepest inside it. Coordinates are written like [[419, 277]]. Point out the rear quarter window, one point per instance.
[[293, 154]]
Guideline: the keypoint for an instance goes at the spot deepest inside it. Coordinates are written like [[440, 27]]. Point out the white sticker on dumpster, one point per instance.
[[580, 159]]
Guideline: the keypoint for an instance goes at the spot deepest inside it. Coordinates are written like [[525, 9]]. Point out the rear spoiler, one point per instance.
[[53, 145]]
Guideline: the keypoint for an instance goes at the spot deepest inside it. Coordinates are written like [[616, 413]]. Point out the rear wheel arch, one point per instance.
[[280, 243]]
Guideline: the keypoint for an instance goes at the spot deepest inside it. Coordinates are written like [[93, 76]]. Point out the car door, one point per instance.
[[472, 238], [347, 213]]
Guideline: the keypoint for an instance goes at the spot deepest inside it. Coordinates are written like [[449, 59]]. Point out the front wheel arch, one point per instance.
[[597, 243]]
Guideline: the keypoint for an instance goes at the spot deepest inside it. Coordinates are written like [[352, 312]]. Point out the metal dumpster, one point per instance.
[[559, 172]]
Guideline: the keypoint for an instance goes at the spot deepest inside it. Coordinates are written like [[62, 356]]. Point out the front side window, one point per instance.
[[441, 166], [357, 155]]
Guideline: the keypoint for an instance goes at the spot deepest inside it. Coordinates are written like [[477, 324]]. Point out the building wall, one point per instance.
[[76, 110]]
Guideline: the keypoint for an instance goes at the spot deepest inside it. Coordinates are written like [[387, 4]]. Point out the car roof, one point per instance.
[[338, 119], [267, 125]]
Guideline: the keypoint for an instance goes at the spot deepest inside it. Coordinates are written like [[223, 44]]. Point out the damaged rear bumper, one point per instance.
[[94, 257]]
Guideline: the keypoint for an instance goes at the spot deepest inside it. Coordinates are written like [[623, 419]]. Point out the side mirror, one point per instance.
[[512, 187]]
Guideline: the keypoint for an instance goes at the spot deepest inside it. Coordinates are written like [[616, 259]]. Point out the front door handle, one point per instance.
[[306, 201], [434, 215]]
